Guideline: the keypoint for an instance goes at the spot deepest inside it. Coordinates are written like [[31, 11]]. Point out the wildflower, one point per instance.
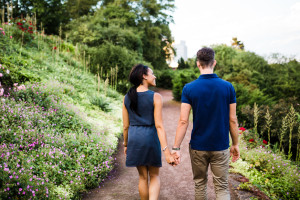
[[10, 37], [7, 71], [1, 74], [251, 140], [54, 48], [242, 129], [20, 189], [265, 142], [3, 32]]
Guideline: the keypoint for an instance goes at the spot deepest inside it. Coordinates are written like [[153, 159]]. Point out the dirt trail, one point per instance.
[[176, 182]]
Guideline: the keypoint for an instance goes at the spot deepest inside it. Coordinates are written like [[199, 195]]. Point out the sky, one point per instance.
[[264, 26]]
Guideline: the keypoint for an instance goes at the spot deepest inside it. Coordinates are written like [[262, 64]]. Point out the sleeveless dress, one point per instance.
[[143, 147]]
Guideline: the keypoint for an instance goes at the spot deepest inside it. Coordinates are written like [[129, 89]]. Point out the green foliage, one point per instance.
[[280, 125], [123, 33], [100, 102], [54, 141], [272, 173], [164, 78], [182, 64], [181, 78]]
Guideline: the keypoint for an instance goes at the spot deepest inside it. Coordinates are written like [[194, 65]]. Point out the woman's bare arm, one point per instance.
[[158, 103], [125, 124]]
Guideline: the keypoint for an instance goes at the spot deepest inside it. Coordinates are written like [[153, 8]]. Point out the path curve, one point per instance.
[[176, 182]]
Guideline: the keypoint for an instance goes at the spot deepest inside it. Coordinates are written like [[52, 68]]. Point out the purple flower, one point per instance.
[[20, 189]]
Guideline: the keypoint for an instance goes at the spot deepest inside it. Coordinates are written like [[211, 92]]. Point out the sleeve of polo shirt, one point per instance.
[[232, 94], [184, 96]]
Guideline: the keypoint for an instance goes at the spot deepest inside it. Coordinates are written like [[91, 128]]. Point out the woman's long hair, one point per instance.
[[136, 78]]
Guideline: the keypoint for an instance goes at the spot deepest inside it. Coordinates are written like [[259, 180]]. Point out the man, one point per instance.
[[213, 102]]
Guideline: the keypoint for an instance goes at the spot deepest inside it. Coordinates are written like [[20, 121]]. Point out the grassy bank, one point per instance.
[[59, 124]]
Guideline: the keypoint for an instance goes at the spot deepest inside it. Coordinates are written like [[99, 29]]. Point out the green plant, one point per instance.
[[291, 123], [181, 78], [101, 103], [268, 118]]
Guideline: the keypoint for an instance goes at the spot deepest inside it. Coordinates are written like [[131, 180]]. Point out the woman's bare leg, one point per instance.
[[154, 187], [143, 182]]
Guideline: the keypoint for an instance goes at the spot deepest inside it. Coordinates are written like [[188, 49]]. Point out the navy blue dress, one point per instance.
[[143, 147]]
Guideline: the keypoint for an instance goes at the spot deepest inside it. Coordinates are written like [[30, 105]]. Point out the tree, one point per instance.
[[78, 8], [182, 64]]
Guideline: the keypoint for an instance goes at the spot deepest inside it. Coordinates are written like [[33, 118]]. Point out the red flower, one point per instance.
[[265, 142], [54, 48], [242, 129], [251, 140]]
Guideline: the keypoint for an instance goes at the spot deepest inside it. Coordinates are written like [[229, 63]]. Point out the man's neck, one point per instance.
[[206, 71]]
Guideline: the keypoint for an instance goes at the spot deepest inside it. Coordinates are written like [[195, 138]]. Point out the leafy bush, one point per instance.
[[271, 173], [46, 149], [181, 78], [100, 102], [164, 78]]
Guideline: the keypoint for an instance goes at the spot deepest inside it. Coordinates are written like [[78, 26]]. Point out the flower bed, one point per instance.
[[270, 172], [38, 159]]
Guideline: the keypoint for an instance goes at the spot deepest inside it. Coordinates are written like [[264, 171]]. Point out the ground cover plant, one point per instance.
[[59, 124], [267, 169]]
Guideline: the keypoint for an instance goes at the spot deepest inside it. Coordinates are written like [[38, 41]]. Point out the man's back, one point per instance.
[[210, 98]]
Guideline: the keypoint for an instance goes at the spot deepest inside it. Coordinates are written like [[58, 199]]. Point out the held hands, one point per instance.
[[176, 155]]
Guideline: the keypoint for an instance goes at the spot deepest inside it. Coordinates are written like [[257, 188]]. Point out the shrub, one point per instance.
[[164, 78], [47, 150], [271, 173], [181, 78]]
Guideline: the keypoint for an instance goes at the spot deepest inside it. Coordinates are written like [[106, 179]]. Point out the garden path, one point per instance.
[[176, 182]]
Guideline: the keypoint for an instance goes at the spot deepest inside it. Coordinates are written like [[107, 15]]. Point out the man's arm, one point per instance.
[[182, 127], [234, 133]]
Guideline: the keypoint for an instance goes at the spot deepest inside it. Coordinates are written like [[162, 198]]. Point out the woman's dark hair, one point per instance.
[[136, 78], [206, 56]]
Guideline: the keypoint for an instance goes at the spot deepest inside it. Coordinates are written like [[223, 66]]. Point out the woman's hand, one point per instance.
[[170, 159], [125, 151]]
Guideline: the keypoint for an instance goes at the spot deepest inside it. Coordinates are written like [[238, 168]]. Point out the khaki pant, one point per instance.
[[219, 162]]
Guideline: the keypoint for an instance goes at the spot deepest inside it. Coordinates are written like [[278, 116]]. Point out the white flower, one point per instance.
[[1, 92], [3, 100], [7, 71]]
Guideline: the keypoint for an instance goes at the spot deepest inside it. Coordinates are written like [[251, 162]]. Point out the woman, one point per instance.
[[144, 134]]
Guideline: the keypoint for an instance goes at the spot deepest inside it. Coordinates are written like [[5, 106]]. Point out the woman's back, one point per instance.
[[145, 109]]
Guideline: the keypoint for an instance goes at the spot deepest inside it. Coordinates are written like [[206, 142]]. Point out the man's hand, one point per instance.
[[176, 156], [234, 152], [125, 150]]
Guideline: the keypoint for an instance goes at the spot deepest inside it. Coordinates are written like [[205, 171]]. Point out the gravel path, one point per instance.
[[176, 182]]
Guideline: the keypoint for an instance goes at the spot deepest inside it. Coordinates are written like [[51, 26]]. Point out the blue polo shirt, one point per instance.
[[210, 97]]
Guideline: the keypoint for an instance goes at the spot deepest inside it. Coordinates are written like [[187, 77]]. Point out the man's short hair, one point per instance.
[[206, 56]]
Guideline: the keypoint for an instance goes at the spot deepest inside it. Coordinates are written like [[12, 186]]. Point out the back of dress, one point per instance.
[[143, 148], [145, 109]]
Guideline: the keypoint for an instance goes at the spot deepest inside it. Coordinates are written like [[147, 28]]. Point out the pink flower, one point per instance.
[[1, 94], [1, 74], [10, 37], [20, 189], [1, 29], [3, 32]]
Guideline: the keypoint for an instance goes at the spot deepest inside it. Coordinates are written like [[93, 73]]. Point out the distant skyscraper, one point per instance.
[[181, 51]]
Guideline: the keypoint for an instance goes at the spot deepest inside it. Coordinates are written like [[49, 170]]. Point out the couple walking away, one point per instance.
[[213, 102]]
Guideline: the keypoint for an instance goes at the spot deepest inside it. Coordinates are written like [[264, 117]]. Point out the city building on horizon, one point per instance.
[[181, 51]]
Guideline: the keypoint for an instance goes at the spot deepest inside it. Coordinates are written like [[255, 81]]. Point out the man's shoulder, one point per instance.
[[225, 82]]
